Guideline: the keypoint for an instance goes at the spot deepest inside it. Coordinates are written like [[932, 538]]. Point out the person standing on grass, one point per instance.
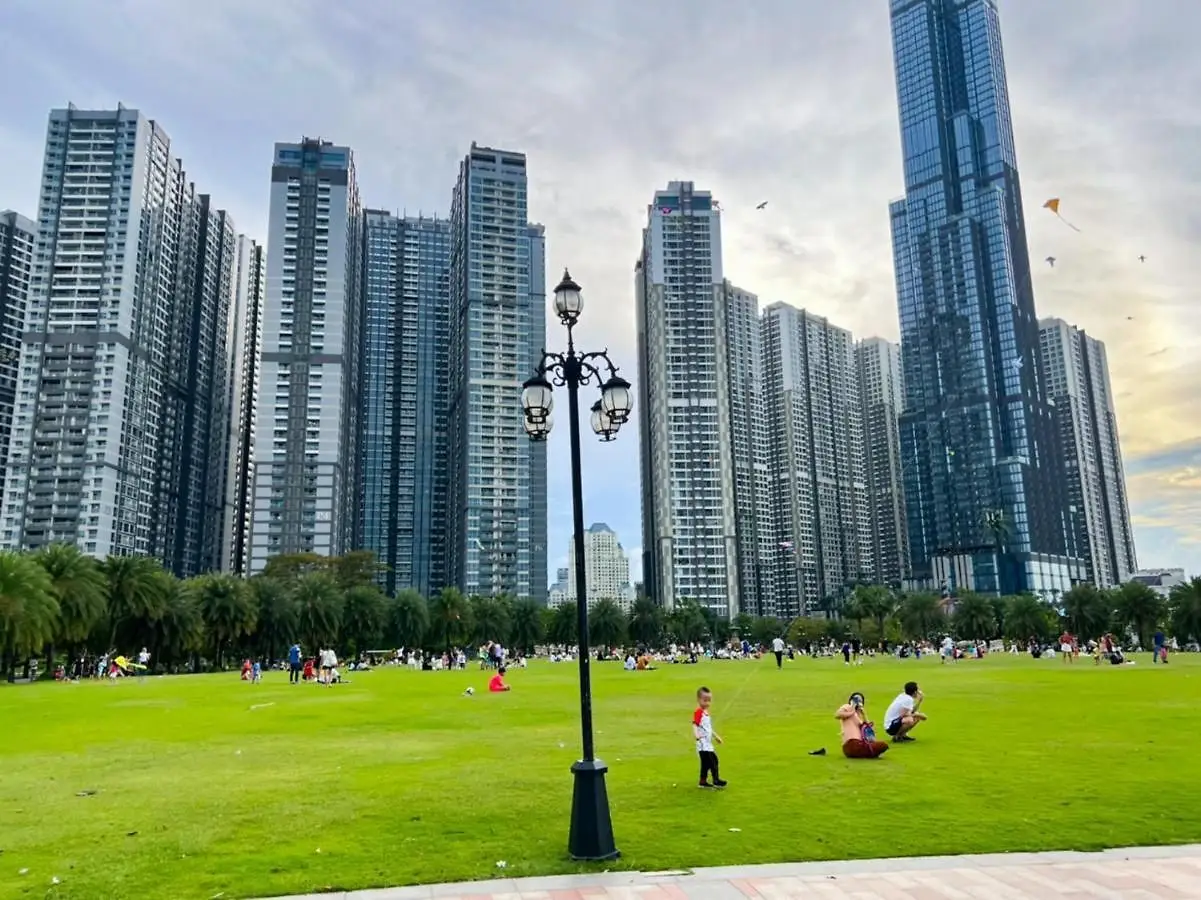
[[294, 664], [777, 647], [1160, 649], [858, 735], [1066, 645], [903, 714], [705, 736]]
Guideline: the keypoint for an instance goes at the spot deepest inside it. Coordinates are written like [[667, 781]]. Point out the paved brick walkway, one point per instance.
[[1146, 873]]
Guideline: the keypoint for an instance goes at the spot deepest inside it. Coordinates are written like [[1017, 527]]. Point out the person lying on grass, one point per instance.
[[858, 734], [902, 715]]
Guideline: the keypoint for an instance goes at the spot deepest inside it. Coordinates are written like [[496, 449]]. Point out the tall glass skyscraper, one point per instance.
[[497, 476], [406, 328], [980, 458]]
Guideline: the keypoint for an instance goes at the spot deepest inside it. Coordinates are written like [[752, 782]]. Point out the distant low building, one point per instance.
[[1160, 580]]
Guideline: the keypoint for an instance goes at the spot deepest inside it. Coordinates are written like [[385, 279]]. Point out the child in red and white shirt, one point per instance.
[[702, 731]]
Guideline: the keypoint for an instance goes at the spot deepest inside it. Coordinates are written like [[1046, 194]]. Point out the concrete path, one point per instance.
[[1144, 873]]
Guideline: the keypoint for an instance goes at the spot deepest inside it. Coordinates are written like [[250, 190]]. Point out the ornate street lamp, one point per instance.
[[591, 836]]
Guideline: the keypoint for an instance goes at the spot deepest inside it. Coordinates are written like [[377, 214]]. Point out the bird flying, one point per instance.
[[1142, 259], [762, 205]]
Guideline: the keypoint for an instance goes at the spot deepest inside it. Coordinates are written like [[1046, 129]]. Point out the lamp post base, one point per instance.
[[591, 838]]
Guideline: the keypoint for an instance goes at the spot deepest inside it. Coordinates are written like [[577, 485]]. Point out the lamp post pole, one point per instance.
[[591, 834]]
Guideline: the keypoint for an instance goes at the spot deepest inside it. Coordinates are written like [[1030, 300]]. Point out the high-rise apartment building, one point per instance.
[[189, 520], [17, 235], [306, 453], [880, 399], [982, 475], [606, 569], [822, 518], [701, 465], [1076, 373], [406, 331], [739, 347], [244, 337], [114, 430], [497, 476]]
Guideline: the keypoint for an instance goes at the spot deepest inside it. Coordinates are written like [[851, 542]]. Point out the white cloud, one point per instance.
[[787, 100]]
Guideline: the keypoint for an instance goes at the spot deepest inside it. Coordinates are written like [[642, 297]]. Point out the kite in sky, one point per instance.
[[1051, 261], [1053, 205], [762, 205]]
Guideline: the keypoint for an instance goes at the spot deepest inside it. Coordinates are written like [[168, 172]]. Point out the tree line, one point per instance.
[[57, 604], [1088, 612]]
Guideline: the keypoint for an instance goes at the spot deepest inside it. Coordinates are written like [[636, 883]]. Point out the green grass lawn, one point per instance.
[[205, 784]]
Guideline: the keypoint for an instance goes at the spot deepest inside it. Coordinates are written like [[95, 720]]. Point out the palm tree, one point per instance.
[[364, 616], [1138, 608], [974, 619], [318, 610], [80, 590], [490, 617], [606, 623], [564, 628], [28, 608], [410, 618], [646, 622], [1026, 616], [180, 632], [228, 607], [279, 618], [1087, 610], [135, 598], [687, 622], [873, 601], [1185, 608], [525, 627], [450, 619], [921, 615]]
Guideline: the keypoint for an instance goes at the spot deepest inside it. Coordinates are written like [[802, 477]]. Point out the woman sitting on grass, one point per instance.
[[858, 734]]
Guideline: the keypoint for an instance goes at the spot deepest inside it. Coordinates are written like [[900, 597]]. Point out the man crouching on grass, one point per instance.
[[903, 714]]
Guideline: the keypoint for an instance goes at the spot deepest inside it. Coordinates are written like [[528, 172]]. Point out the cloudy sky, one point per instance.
[[790, 101]]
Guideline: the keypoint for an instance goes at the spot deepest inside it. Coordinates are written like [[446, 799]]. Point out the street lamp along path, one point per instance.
[[591, 835]]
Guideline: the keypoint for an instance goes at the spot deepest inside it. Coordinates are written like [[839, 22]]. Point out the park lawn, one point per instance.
[[209, 786]]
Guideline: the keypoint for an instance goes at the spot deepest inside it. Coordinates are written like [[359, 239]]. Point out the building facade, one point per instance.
[[1076, 373], [188, 525], [983, 485], [306, 454], [699, 408], [114, 426], [17, 236], [880, 399], [822, 516], [244, 335], [406, 333], [606, 569], [496, 476]]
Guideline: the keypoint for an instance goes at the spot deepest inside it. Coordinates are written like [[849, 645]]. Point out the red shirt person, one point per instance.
[[497, 684]]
